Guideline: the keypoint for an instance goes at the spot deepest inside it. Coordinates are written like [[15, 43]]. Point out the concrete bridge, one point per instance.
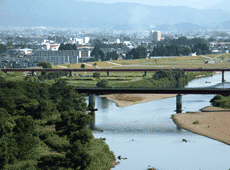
[[99, 91]]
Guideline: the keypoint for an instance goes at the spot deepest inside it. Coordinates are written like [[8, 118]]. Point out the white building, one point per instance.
[[156, 36], [118, 41], [50, 47], [127, 43], [86, 40], [78, 41], [26, 51]]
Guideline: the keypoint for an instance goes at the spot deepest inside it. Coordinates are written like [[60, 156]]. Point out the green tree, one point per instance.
[[96, 75], [45, 64], [26, 142], [82, 65], [95, 64], [112, 55], [103, 83], [141, 52], [98, 53]]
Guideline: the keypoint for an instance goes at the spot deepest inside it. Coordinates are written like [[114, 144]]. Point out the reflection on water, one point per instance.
[[146, 134]]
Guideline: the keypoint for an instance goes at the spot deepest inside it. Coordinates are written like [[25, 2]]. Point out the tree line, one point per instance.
[[67, 46], [173, 50]]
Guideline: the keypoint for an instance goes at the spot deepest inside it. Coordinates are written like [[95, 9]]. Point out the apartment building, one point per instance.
[[156, 36], [61, 56]]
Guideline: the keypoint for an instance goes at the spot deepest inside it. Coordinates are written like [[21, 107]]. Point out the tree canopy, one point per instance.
[[45, 64], [137, 53], [98, 53], [45, 126]]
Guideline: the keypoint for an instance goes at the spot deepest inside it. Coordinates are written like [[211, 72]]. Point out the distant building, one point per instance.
[[156, 36], [25, 51], [61, 56], [86, 40], [192, 54], [49, 47], [78, 41]]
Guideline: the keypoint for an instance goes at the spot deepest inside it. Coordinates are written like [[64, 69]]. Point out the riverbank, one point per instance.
[[124, 100], [211, 122]]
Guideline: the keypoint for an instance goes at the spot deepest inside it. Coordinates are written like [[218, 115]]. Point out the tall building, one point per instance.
[[156, 36]]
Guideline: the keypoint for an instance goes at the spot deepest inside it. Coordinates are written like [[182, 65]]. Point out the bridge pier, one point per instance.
[[70, 73], [145, 73], [92, 108], [32, 73], [179, 103], [223, 77], [107, 73]]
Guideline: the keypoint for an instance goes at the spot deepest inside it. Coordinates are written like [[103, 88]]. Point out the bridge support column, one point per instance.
[[92, 108], [223, 77], [32, 73], [145, 73], [70, 73], [107, 73], [179, 103]]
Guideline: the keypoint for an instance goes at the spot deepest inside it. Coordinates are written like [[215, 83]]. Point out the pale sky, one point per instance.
[[199, 4]]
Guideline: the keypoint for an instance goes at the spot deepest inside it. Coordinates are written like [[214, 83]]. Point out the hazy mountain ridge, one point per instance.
[[79, 14]]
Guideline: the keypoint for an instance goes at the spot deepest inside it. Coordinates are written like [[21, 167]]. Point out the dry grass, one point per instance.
[[130, 97]]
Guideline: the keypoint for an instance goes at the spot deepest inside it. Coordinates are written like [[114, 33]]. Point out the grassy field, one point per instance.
[[160, 63]]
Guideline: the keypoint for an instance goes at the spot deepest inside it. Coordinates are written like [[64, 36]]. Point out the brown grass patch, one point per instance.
[[132, 98]]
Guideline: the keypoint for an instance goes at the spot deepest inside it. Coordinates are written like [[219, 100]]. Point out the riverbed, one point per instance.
[[145, 134]]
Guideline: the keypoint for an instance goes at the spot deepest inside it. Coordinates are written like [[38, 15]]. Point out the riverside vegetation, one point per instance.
[[43, 128], [46, 128]]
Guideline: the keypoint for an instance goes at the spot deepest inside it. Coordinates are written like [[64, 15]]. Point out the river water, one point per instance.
[[146, 135]]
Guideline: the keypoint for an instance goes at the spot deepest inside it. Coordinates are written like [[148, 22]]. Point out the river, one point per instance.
[[146, 135]]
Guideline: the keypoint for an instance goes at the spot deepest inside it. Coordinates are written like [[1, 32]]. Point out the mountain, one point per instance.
[[117, 16], [183, 27]]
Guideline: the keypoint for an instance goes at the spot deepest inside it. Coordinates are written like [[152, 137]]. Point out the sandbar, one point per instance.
[[213, 122], [124, 100]]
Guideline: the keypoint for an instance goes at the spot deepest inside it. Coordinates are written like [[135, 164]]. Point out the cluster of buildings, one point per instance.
[[41, 49]]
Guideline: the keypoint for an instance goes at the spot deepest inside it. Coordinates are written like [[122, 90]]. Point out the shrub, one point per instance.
[[196, 122], [96, 75], [82, 65], [216, 101], [103, 84]]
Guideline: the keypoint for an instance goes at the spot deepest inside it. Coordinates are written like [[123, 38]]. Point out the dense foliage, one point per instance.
[[67, 47], [103, 83], [98, 53], [45, 127], [137, 53], [180, 46], [173, 50], [177, 78], [111, 55], [96, 75], [221, 101], [45, 64]]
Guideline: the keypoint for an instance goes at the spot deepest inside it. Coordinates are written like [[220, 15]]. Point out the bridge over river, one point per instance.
[[222, 88]]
